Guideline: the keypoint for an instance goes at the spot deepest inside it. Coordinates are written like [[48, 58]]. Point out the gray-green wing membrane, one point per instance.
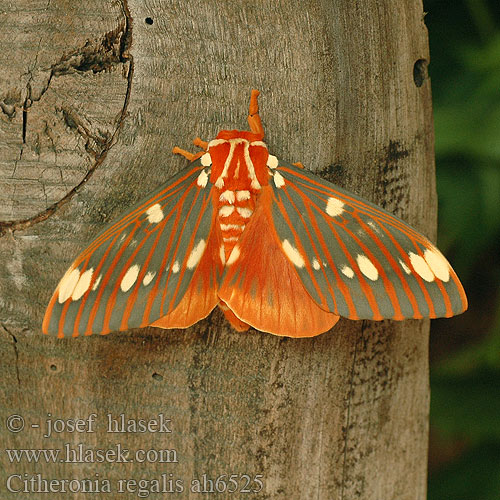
[[354, 258], [140, 267]]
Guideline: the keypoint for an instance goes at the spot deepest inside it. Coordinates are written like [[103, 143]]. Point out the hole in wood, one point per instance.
[[420, 72], [157, 376], [53, 367], [148, 20]]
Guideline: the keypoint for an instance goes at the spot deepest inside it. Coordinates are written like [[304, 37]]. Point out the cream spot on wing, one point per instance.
[[421, 268], [242, 195], [67, 284], [316, 265], [148, 278], [96, 282], [227, 196], [176, 267], [366, 267], [206, 160], [83, 284], [406, 269], [334, 207], [235, 254], [196, 253], [222, 254], [438, 263], [129, 278], [347, 271], [279, 182], [230, 238], [293, 254], [226, 211], [219, 183], [155, 213], [272, 161], [202, 179], [244, 212]]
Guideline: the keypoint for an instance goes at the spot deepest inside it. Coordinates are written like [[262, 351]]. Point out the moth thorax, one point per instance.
[[238, 164]]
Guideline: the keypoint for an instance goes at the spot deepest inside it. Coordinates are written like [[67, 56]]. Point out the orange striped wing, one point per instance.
[[354, 258], [158, 263]]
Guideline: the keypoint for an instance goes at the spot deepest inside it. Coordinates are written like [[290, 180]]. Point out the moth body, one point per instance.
[[271, 244]]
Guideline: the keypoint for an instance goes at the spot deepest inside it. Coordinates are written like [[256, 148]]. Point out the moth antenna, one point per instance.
[[253, 115]]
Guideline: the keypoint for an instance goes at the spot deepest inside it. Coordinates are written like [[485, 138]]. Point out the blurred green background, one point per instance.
[[464, 448]]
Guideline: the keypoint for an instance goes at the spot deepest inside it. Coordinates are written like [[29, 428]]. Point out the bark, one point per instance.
[[93, 96]]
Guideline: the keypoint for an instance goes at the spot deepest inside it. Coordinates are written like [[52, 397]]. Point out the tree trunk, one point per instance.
[[93, 96]]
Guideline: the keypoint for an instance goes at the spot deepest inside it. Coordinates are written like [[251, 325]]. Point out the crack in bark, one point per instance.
[[95, 143], [348, 417], [92, 57], [16, 352]]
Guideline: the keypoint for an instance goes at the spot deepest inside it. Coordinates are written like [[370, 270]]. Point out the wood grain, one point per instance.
[[92, 99]]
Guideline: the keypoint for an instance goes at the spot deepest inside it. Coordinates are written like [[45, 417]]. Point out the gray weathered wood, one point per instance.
[[92, 99]]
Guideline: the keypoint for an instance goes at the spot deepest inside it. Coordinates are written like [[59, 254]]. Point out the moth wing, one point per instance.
[[157, 265], [261, 287], [356, 259]]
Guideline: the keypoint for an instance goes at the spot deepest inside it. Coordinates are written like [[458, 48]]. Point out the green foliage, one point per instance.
[[474, 476], [465, 383]]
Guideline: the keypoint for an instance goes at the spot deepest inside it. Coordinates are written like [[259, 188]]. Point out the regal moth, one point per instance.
[[272, 245]]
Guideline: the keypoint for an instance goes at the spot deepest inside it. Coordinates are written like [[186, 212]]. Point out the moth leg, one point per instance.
[[200, 143], [186, 154], [253, 115], [298, 164]]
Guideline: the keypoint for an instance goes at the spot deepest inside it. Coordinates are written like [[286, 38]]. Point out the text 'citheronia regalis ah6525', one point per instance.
[[274, 246]]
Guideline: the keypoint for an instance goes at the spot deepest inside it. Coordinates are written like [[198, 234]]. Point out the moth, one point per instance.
[[269, 243]]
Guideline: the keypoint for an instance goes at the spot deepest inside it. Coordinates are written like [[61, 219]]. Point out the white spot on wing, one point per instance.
[[175, 267], [226, 211], [202, 179], [235, 254], [83, 284], [316, 265], [206, 160], [438, 264], [242, 195], [244, 212], [334, 207], [272, 161], [347, 271], [421, 268], [148, 278], [293, 254], [366, 267], [222, 254], [196, 253], [227, 196], [129, 278], [96, 282], [406, 269], [67, 284], [279, 182], [155, 213]]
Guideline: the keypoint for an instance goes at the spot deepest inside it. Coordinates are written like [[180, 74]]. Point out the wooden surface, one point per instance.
[[93, 96]]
